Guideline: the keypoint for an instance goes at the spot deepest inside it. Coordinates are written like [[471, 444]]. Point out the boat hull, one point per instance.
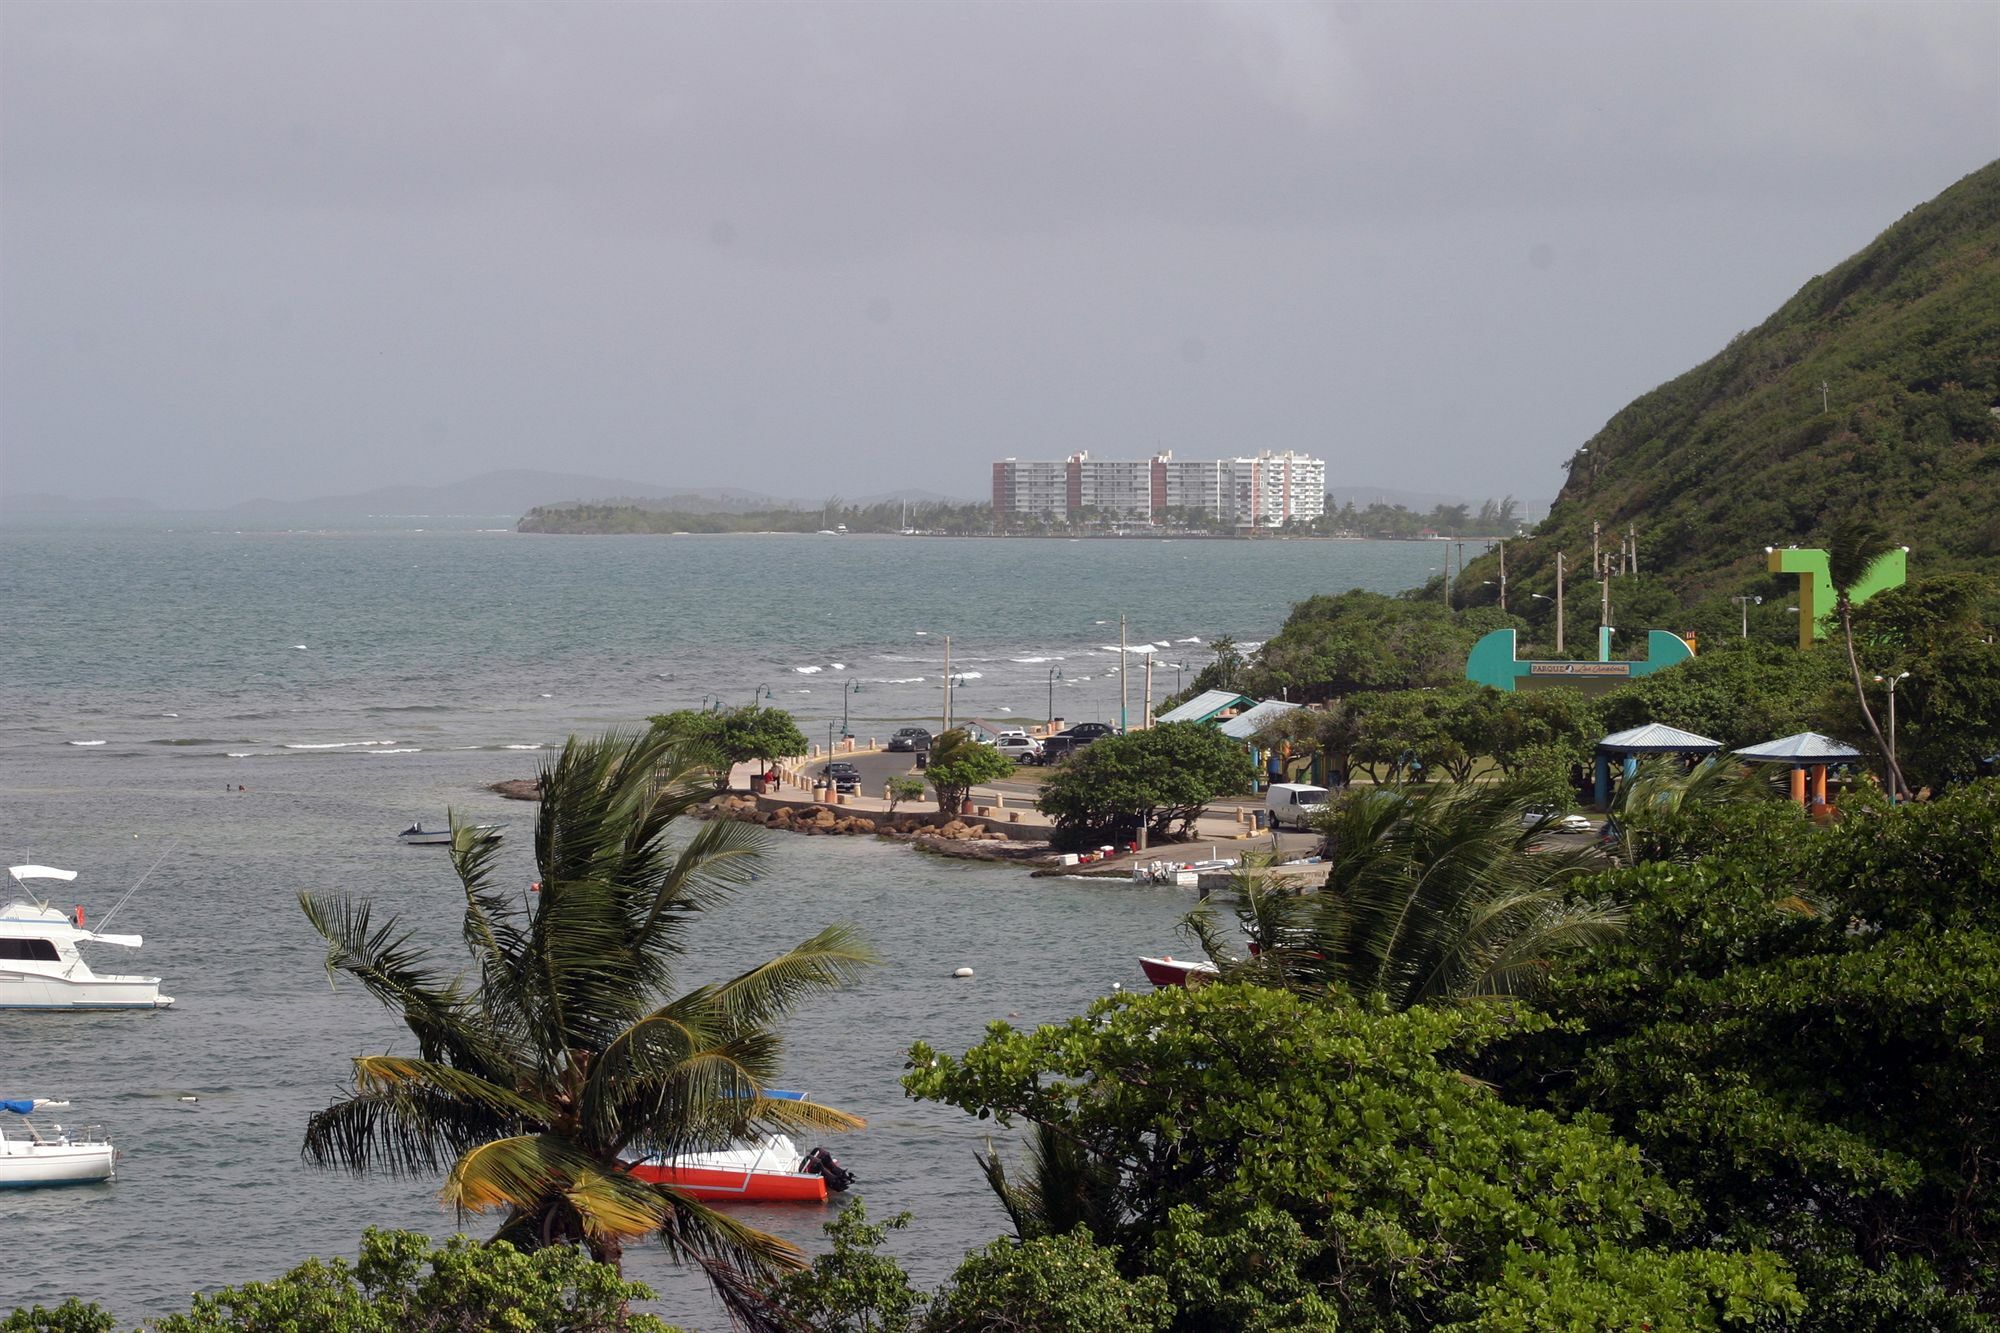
[[24, 1166], [1170, 971], [725, 1184], [35, 990]]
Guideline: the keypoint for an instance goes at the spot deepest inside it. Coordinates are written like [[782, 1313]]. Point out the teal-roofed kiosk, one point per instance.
[[1654, 738], [1493, 662]]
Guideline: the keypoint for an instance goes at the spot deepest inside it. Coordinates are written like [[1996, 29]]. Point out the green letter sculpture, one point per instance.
[[1816, 586]]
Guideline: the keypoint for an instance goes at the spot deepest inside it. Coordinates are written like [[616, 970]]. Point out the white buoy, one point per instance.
[[963, 972]]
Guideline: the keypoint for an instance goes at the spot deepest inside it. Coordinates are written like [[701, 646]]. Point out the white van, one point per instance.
[[1294, 804]]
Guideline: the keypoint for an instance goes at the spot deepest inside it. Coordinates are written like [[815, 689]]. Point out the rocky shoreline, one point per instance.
[[931, 833]]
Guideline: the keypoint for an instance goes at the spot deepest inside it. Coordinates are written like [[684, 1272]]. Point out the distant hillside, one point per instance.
[[1744, 452], [38, 502], [514, 492]]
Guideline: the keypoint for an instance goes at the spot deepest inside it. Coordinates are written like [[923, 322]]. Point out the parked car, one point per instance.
[[843, 775], [1058, 747], [1091, 731], [910, 738], [1559, 823], [1020, 747]]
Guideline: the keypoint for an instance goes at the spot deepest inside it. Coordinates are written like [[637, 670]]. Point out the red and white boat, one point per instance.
[[768, 1169], [1172, 971]]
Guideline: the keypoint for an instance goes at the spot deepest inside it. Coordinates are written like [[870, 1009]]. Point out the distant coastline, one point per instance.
[[1376, 523]]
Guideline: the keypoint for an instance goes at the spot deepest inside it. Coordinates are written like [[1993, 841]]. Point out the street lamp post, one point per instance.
[[1896, 793], [1744, 604], [847, 692], [1055, 674]]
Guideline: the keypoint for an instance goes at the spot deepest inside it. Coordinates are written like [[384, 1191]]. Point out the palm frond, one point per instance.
[[492, 931], [1066, 1186], [442, 1016], [401, 1130], [373, 1073], [522, 1171], [835, 957]]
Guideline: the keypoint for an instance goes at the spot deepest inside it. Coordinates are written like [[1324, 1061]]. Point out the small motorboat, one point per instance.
[[31, 1156], [1172, 971], [416, 835], [40, 967], [765, 1168]]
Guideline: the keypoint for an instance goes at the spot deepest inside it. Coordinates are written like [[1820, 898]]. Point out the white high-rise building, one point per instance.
[[1263, 491]]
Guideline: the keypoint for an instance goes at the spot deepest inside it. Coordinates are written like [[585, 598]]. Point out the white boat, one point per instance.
[[31, 1156], [40, 967], [416, 835]]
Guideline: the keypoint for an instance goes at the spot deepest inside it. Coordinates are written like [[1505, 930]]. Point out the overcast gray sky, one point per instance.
[[291, 249]]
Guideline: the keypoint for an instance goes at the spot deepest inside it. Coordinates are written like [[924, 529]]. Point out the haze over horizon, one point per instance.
[[299, 250]]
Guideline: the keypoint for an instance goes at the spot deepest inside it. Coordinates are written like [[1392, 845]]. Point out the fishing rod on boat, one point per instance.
[[105, 920]]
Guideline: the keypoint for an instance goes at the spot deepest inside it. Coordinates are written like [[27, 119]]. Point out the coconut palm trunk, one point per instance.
[[1852, 550]]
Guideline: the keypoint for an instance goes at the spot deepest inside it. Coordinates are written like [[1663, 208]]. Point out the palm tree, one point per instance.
[[1647, 812], [558, 1054], [1853, 548], [1435, 894]]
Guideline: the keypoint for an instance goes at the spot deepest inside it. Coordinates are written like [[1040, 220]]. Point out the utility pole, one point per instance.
[[1149, 692], [947, 682], [1124, 693], [1604, 612], [1632, 535], [1596, 560], [1822, 397], [1559, 603], [1447, 576], [1503, 575]]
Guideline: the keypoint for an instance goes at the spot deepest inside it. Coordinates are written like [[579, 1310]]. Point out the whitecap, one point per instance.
[[337, 745], [241, 754], [1163, 643], [1192, 638], [968, 675], [301, 647], [892, 680], [413, 750], [86, 742], [548, 696], [1030, 661], [520, 747], [839, 666], [808, 670], [923, 633], [170, 715]]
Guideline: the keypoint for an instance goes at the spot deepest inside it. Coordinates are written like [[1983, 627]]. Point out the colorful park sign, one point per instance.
[[1816, 585], [1493, 662]]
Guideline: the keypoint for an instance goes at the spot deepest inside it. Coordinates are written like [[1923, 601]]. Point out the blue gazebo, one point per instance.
[[1652, 738], [1809, 754]]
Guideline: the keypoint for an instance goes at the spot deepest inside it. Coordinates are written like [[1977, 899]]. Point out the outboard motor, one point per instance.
[[825, 1165]]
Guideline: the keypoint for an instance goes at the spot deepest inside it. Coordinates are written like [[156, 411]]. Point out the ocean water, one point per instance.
[[358, 674]]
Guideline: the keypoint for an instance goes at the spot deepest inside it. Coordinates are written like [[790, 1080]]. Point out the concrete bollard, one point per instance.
[[1013, 816]]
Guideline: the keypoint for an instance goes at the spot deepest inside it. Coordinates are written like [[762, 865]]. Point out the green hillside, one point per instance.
[[1744, 451]]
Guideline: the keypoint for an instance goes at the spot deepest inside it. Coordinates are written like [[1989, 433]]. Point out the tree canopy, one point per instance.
[[1158, 779]]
